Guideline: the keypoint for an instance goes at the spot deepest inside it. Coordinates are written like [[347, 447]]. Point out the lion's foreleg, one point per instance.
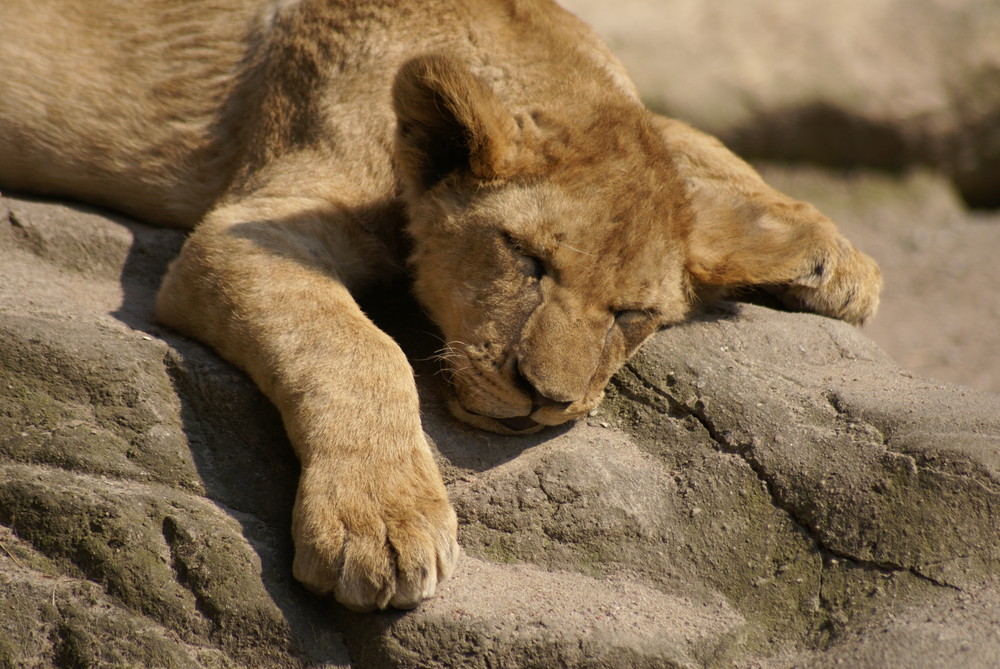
[[263, 282], [745, 233]]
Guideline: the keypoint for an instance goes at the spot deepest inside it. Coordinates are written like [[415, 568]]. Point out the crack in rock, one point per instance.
[[698, 410], [173, 536], [839, 405]]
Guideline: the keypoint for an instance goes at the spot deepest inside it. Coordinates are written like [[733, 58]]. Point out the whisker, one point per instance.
[[564, 244]]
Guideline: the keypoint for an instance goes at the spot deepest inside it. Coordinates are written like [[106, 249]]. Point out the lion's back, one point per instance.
[[154, 107], [110, 102]]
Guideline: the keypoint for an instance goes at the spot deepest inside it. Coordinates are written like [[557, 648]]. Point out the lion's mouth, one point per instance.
[[518, 423], [512, 425]]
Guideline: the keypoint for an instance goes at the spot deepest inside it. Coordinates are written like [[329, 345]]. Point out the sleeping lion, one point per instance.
[[554, 223]]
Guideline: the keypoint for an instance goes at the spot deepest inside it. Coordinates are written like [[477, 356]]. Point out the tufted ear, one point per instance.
[[448, 120]]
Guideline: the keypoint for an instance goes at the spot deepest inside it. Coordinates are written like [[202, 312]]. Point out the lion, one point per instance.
[[493, 150]]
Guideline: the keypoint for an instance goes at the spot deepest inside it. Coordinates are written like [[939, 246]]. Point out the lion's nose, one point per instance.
[[539, 400]]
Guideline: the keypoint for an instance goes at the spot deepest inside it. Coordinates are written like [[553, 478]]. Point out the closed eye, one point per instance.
[[531, 265]]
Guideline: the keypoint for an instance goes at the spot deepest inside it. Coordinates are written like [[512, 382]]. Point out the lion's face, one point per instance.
[[540, 295], [546, 250]]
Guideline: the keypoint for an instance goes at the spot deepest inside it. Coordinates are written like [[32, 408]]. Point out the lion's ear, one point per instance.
[[449, 120]]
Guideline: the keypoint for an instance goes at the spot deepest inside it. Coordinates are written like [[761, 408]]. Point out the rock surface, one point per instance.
[[887, 83], [761, 489]]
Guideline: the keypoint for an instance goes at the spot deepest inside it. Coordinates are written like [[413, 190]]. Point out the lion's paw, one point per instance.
[[847, 287], [374, 544]]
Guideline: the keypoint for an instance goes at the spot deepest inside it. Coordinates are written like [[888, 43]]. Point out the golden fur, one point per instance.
[[556, 223]]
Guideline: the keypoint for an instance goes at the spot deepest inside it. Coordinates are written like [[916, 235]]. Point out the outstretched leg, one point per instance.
[[747, 234], [265, 282]]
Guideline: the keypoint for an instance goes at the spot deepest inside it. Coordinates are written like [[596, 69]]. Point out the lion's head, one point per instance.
[[546, 249], [550, 242]]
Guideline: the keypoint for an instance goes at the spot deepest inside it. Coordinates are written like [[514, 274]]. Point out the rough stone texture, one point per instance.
[[761, 489], [144, 490], [887, 83]]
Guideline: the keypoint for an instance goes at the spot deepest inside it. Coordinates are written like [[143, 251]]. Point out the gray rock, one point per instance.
[[145, 486], [886, 84], [759, 489]]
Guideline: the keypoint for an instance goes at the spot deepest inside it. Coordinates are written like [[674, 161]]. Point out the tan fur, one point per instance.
[[555, 222]]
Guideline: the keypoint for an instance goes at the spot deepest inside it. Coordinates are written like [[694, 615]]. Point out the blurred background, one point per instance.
[[885, 114]]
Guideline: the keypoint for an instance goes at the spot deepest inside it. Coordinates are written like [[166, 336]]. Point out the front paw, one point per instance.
[[374, 534], [846, 286]]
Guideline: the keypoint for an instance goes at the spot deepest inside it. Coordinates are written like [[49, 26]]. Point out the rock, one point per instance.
[[492, 615], [759, 489], [145, 487], [886, 84]]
